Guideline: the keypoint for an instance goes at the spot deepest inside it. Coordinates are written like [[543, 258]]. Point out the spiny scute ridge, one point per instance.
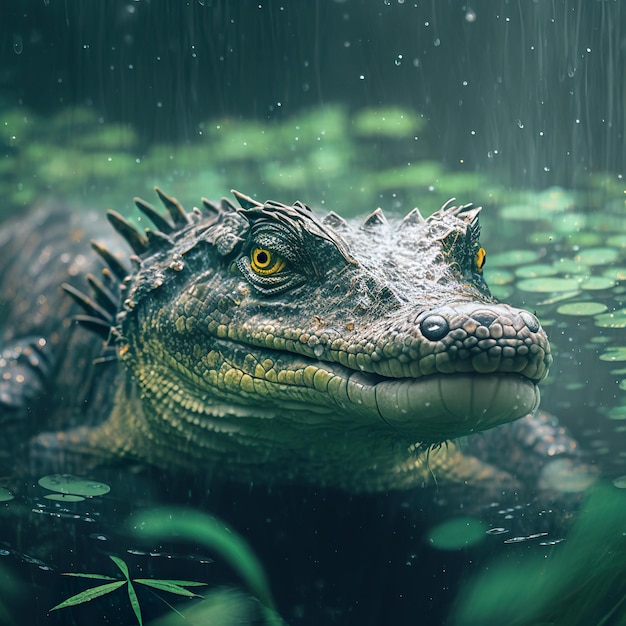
[[216, 220]]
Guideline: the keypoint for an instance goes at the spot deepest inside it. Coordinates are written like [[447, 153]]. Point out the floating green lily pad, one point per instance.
[[597, 256], [584, 238], [535, 271], [620, 482], [5, 495], [457, 533], [541, 238], [523, 212], [569, 223], [581, 309], [617, 412], [617, 273], [64, 497], [597, 283], [68, 484], [387, 122], [570, 266], [616, 319], [601, 339], [499, 277], [617, 241], [502, 292], [617, 353], [566, 476], [513, 258], [547, 284]]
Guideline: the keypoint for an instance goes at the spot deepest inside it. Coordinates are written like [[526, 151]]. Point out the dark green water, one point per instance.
[[346, 105]]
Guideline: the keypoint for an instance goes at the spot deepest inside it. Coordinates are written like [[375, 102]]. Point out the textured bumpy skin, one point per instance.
[[264, 343]]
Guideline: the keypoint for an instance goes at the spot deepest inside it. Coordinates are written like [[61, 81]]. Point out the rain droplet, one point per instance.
[[18, 44]]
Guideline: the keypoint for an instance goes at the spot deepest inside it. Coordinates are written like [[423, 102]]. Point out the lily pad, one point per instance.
[[615, 319], [581, 309], [569, 223], [390, 122], [499, 277], [584, 238], [618, 273], [523, 212], [535, 271], [566, 476], [571, 266], [541, 238], [618, 412], [617, 353], [64, 497], [547, 284], [597, 283], [457, 533], [513, 258], [597, 256], [617, 241], [68, 484], [620, 482]]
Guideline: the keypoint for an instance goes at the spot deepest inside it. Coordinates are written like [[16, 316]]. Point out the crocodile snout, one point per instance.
[[484, 338]]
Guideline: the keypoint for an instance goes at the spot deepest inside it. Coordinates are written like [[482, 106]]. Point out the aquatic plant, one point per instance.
[[187, 524], [171, 586], [581, 581]]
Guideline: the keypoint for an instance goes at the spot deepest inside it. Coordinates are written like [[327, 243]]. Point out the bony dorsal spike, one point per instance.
[[302, 206], [334, 220], [174, 208], [137, 241], [100, 327], [375, 218], [158, 240], [469, 213], [103, 295], [211, 208], [162, 223], [227, 206], [246, 202], [413, 218], [117, 268], [88, 304]]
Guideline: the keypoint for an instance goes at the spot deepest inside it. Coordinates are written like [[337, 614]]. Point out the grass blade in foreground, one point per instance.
[[90, 594]]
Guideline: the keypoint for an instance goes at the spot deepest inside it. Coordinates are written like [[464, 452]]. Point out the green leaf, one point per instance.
[[123, 567], [96, 576], [90, 594], [134, 602], [180, 583], [166, 585], [195, 526]]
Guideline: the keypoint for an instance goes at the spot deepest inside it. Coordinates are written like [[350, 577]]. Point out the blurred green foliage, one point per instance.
[[351, 163], [581, 582]]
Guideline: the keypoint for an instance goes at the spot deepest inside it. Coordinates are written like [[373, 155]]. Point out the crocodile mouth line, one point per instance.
[[433, 407]]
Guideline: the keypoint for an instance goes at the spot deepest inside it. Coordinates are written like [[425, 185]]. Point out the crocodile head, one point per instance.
[[265, 333]]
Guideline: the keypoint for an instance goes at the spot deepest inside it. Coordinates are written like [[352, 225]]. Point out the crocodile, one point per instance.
[[262, 342]]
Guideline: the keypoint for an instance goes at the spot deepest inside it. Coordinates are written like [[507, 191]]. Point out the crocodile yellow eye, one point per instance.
[[481, 256], [265, 262]]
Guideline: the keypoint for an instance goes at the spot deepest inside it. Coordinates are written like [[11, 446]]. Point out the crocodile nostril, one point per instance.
[[484, 318], [434, 327], [530, 320]]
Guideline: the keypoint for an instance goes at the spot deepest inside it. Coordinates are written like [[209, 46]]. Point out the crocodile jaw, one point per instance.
[[441, 407]]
